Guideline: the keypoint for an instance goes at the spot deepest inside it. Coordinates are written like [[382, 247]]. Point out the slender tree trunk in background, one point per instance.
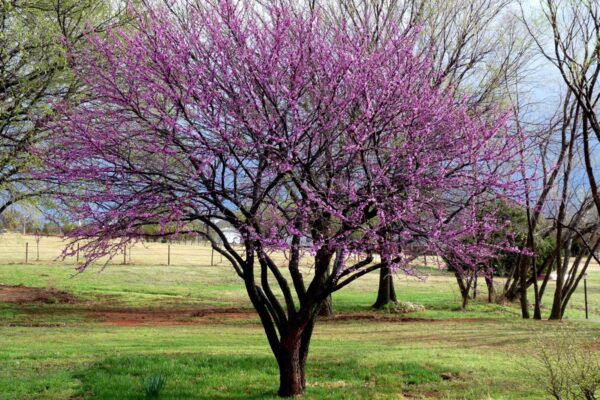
[[489, 282], [511, 286], [547, 269], [465, 302], [464, 287], [326, 309], [537, 307], [523, 287], [576, 276], [386, 293], [562, 268]]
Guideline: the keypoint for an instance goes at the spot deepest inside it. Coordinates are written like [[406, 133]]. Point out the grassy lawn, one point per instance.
[[192, 323]]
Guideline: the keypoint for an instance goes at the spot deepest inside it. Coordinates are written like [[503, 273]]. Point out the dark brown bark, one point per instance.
[[537, 305], [523, 300], [291, 360], [386, 293], [322, 263], [326, 309], [464, 285]]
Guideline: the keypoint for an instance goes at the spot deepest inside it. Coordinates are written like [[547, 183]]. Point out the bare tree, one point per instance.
[[559, 211], [560, 206], [573, 49]]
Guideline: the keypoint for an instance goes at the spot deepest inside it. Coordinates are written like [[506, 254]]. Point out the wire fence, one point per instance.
[[30, 249], [16, 248]]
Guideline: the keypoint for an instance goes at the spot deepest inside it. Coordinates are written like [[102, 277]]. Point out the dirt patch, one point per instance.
[[24, 295], [162, 317]]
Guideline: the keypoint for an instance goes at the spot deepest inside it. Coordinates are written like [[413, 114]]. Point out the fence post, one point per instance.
[[26, 252], [125, 255], [37, 249], [212, 255], [77, 253], [168, 254]]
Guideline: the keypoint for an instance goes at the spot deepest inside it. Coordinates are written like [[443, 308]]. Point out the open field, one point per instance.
[[98, 335]]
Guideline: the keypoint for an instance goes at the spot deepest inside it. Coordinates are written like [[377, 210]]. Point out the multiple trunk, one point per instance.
[[467, 282], [568, 277], [489, 282], [288, 328]]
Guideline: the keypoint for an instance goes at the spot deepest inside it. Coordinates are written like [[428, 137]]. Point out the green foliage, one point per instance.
[[516, 232]]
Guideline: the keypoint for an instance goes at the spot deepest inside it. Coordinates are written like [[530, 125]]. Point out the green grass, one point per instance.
[[349, 360], [61, 351]]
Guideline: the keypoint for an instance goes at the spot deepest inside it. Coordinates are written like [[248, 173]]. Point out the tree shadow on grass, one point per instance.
[[205, 376], [188, 376]]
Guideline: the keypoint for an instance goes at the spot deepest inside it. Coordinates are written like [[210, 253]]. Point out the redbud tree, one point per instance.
[[302, 135]]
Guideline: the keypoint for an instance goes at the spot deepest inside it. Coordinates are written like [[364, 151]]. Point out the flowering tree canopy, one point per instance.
[[301, 134]]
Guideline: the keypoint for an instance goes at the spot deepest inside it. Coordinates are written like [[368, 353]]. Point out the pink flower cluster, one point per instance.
[[283, 126]]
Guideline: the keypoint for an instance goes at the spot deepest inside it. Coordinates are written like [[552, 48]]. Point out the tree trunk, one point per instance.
[[562, 268], [464, 287], [291, 358], [465, 302], [291, 362], [489, 281], [326, 309], [523, 300], [322, 262], [386, 293], [537, 306]]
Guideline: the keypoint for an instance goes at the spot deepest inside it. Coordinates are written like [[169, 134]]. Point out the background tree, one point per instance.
[[478, 48], [349, 149], [558, 204], [573, 50], [34, 73]]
